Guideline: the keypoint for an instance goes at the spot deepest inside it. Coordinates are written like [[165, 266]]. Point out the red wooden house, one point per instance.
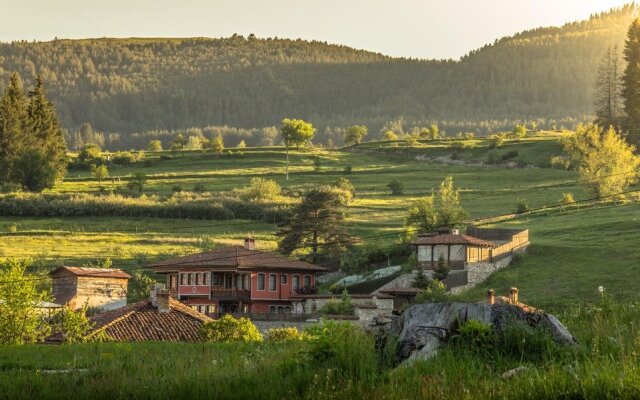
[[238, 279]]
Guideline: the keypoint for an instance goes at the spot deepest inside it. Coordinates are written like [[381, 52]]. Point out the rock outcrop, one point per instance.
[[422, 329]]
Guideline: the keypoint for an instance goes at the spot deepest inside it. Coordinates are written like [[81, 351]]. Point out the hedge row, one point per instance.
[[113, 205]]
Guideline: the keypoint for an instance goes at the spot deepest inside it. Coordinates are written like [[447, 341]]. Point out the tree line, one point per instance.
[[121, 86]]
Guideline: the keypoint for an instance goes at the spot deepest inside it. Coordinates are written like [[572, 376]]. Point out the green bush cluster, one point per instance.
[[285, 334], [178, 205], [230, 329], [344, 306]]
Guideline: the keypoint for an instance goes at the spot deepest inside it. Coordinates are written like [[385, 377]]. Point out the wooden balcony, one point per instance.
[[232, 294]]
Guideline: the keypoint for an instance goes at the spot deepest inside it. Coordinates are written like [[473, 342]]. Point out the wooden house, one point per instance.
[[238, 279], [102, 288]]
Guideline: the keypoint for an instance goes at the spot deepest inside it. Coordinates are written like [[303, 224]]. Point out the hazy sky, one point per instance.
[[409, 28]]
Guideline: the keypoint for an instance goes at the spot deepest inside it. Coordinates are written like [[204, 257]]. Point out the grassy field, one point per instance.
[[572, 253], [342, 365]]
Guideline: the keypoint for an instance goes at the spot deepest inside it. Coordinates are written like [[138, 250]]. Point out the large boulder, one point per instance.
[[423, 328]]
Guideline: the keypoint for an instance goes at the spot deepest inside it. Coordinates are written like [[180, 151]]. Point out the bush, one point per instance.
[[510, 154], [230, 329], [199, 187], [285, 334], [522, 206], [496, 141], [342, 307], [260, 189], [475, 336], [73, 326], [567, 198], [435, 292], [395, 187], [347, 169], [176, 188]]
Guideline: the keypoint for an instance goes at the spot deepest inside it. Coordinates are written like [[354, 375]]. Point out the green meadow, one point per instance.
[[573, 251]]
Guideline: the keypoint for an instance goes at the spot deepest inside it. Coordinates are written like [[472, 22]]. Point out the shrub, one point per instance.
[[176, 188], [154, 145], [342, 307], [510, 154], [395, 187], [567, 198], [13, 228], [522, 206], [347, 169], [475, 336], [199, 187], [123, 158], [435, 292], [560, 162], [389, 136], [230, 329], [496, 141], [285, 334], [72, 325], [260, 189]]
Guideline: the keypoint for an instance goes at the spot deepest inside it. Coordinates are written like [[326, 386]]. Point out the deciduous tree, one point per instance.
[[295, 132], [355, 134]]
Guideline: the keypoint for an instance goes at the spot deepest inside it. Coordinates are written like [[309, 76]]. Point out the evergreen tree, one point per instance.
[[421, 281], [13, 122], [441, 271], [631, 79], [45, 131], [318, 220], [607, 96]]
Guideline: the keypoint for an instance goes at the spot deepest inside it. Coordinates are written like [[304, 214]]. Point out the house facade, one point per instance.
[[102, 288], [238, 279]]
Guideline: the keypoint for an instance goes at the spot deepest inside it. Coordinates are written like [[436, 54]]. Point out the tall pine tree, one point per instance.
[[607, 96], [631, 80], [13, 123], [45, 131]]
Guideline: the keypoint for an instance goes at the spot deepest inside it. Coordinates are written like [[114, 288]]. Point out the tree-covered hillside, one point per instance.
[[129, 85]]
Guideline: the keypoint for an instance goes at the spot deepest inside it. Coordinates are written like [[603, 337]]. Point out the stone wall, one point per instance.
[[329, 276], [479, 272]]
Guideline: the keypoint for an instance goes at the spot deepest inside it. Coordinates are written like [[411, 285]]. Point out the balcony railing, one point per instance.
[[222, 293]]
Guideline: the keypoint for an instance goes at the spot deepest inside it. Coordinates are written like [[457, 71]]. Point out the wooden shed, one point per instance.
[[102, 288]]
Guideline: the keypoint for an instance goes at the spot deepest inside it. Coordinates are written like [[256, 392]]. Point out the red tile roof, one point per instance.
[[141, 321], [449, 239], [93, 272], [237, 257]]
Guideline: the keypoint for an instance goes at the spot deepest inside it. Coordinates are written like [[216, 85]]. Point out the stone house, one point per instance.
[[102, 288]]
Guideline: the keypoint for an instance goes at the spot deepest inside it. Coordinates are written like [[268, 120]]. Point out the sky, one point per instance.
[[402, 28]]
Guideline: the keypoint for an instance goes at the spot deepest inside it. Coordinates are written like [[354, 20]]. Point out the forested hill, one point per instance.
[[128, 85]]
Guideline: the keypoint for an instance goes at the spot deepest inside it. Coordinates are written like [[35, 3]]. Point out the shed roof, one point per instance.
[[450, 239], [93, 272], [141, 321], [237, 257]]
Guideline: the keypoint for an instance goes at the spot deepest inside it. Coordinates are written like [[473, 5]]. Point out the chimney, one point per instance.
[[162, 301], [491, 296], [513, 295], [155, 289], [250, 243], [455, 231]]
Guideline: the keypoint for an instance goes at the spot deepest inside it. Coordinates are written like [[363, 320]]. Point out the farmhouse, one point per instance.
[[102, 288], [158, 318], [238, 279], [478, 245]]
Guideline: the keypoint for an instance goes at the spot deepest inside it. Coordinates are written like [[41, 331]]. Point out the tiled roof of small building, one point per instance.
[[93, 272], [450, 239], [238, 257], [141, 321]]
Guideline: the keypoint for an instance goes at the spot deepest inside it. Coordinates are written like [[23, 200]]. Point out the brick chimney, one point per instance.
[[513, 295], [491, 296], [162, 301], [249, 243]]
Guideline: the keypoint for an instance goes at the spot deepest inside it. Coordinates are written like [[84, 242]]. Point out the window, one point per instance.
[[212, 309], [197, 278], [280, 310], [205, 278], [284, 279], [272, 309], [182, 279], [288, 309], [190, 279], [238, 281], [296, 283], [307, 281], [260, 281], [245, 281], [215, 279], [272, 282]]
